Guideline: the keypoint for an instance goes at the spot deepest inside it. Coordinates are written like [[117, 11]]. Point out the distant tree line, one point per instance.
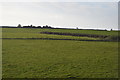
[[31, 26], [46, 26]]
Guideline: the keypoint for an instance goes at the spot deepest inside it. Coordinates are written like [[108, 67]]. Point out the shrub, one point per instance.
[[113, 38]]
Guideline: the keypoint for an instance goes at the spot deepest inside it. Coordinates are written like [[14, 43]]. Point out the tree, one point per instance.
[[31, 25], [105, 29], [19, 26], [46, 26], [111, 29], [39, 26]]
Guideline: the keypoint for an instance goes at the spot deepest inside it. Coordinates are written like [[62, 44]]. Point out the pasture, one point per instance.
[[57, 58]]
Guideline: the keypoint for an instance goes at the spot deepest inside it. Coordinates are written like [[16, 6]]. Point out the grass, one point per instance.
[[35, 33], [30, 33], [32, 30], [57, 58]]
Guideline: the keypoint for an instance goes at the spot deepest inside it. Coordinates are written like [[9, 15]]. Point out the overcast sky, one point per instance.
[[98, 15]]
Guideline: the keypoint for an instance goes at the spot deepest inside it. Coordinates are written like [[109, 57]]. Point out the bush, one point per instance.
[[113, 38], [19, 26]]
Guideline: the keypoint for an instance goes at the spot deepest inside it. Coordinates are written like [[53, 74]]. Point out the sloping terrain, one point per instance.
[[24, 55]]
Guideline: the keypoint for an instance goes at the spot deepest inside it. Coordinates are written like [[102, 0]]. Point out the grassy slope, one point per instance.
[[51, 58], [87, 31], [61, 59], [26, 30], [35, 33]]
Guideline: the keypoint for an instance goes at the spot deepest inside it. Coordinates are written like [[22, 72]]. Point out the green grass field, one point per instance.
[[31, 30], [35, 33], [57, 58]]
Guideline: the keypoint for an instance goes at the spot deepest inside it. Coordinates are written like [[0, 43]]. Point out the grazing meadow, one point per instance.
[[40, 58]]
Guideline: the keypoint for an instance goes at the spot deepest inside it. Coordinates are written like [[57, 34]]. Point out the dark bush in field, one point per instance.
[[102, 37], [113, 38], [76, 34]]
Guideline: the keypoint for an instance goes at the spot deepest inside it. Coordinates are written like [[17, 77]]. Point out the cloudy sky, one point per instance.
[[98, 15]]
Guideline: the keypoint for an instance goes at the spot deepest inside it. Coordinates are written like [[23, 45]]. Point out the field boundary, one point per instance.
[[60, 78], [51, 39], [76, 34]]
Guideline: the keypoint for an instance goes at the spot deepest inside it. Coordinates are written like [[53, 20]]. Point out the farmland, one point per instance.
[[58, 58]]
